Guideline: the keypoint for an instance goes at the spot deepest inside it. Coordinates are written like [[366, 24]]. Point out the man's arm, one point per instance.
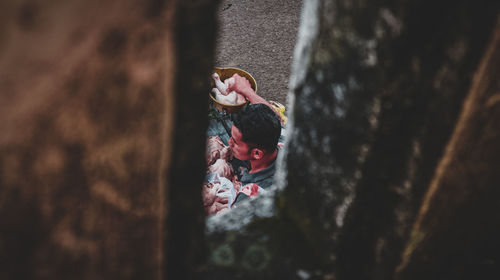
[[242, 86]]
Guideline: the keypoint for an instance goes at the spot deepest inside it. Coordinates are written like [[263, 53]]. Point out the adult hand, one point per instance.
[[242, 86]]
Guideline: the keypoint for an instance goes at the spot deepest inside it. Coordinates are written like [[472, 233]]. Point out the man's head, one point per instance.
[[255, 132]]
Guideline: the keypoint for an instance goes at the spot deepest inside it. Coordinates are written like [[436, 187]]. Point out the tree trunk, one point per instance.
[[96, 97], [195, 49], [377, 88], [103, 129], [456, 232]]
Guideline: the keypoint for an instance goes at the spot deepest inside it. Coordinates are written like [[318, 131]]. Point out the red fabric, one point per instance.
[[251, 190]]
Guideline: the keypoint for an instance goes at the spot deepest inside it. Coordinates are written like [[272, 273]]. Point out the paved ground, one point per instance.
[[259, 37]]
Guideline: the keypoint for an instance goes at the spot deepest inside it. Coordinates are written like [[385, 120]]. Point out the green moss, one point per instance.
[[256, 258], [223, 255]]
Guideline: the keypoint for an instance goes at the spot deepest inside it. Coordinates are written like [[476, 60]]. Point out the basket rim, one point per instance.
[[230, 105]]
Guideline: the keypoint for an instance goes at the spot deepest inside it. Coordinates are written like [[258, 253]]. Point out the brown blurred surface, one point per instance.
[[88, 118]]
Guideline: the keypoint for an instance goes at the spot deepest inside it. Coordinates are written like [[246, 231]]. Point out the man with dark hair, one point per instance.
[[254, 138], [260, 130]]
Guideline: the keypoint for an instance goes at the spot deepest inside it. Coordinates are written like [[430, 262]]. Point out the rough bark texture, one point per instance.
[[195, 44], [378, 104], [422, 79], [458, 222], [377, 88], [103, 111], [91, 155]]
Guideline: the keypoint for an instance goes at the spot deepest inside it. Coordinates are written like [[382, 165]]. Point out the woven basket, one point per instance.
[[225, 73]]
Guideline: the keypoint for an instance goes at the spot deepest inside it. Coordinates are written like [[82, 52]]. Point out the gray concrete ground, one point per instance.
[[259, 37]]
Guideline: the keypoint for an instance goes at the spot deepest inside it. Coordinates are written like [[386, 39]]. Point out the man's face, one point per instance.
[[241, 150]]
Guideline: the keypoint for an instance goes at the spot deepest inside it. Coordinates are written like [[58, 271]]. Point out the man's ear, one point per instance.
[[257, 153]]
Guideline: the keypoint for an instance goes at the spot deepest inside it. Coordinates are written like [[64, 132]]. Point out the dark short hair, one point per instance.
[[259, 126]]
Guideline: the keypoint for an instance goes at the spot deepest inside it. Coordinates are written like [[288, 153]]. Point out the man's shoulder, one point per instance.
[[254, 184], [263, 178]]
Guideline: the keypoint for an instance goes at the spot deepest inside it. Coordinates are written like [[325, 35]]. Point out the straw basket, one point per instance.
[[225, 73]]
